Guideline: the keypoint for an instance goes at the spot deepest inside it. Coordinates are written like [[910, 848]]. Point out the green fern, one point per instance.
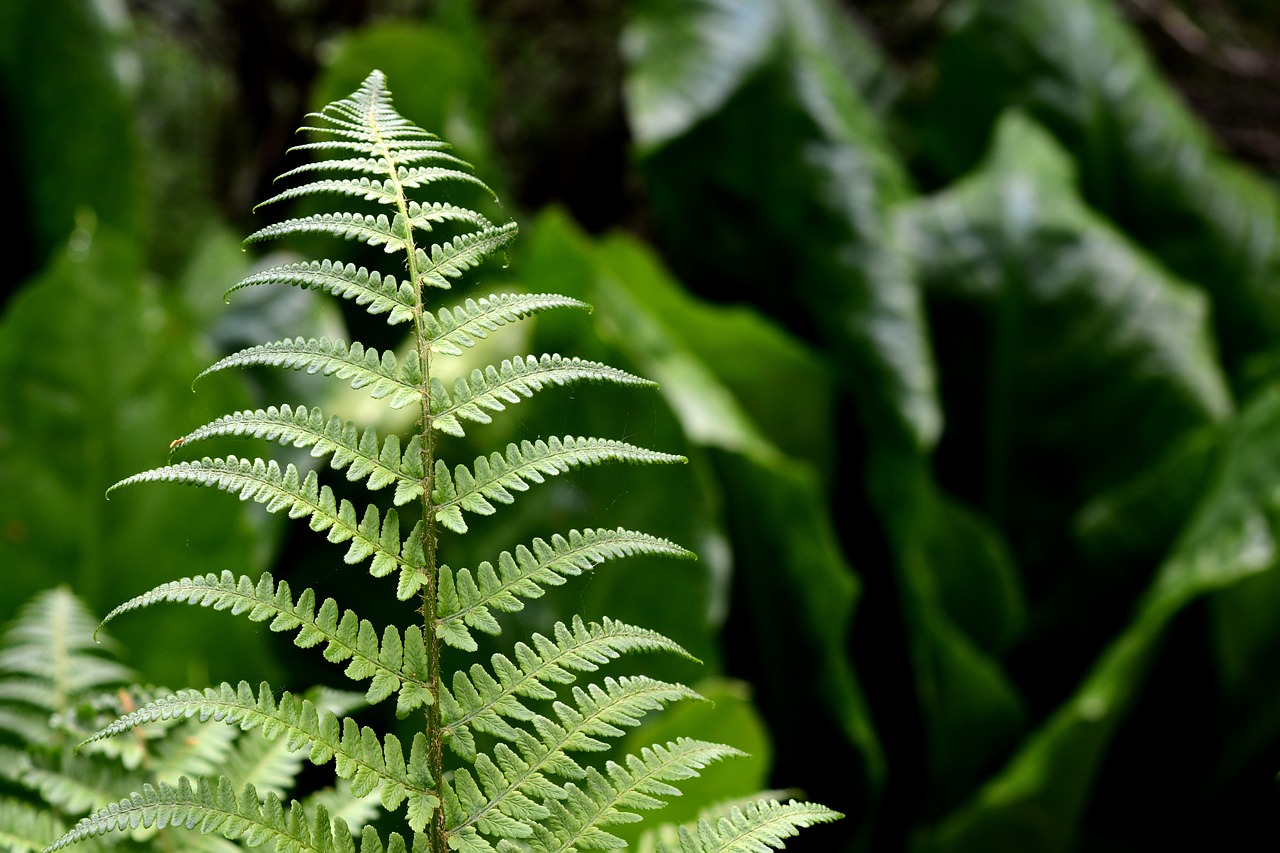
[[58, 685], [499, 762]]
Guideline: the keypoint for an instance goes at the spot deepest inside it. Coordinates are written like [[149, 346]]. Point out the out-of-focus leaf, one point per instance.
[[976, 581], [63, 87], [780, 196], [1035, 803], [96, 372], [1098, 358], [687, 58], [1145, 161], [971, 712]]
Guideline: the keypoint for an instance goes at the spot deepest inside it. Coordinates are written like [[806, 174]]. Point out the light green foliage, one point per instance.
[[58, 685], [522, 728]]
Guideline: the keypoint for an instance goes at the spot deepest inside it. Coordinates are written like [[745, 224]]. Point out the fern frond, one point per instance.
[[397, 664], [450, 260], [599, 712], [265, 483], [451, 329], [357, 752], [516, 379], [464, 599], [378, 293], [494, 477], [25, 828], [51, 661], [577, 823], [758, 828], [361, 454], [382, 375], [480, 700], [217, 808]]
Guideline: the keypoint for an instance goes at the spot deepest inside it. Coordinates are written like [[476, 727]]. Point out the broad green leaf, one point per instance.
[[1145, 161], [88, 333], [1111, 353], [687, 58], [781, 196], [1036, 802]]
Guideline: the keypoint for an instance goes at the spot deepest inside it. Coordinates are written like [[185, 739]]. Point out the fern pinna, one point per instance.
[[533, 789]]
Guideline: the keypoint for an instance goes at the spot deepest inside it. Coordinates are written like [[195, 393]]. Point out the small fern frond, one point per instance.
[[51, 662], [25, 828], [480, 700], [758, 828], [577, 823], [490, 390], [380, 294], [494, 477], [357, 752], [451, 329], [217, 808], [382, 375], [450, 260], [396, 665], [267, 484], [465, 599], [360, 453]]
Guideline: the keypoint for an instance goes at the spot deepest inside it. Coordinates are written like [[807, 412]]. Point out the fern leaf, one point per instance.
[[516, 379], [217, 808], [480, 701], [599, 712], [376, 164], [265, 483], [370, 230], [372, 189], [451, 329], [361, 454], [496, 476], [450, 260], [578, 821], [382, 375], [391, 663], [358, 754], [465, 598], [758, 828], [378, 293], [578, 816]]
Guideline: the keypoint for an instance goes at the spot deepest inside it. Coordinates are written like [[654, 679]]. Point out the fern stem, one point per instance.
[[437, 837]]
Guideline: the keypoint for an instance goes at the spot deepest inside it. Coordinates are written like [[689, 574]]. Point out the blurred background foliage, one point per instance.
[[966, 313]]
